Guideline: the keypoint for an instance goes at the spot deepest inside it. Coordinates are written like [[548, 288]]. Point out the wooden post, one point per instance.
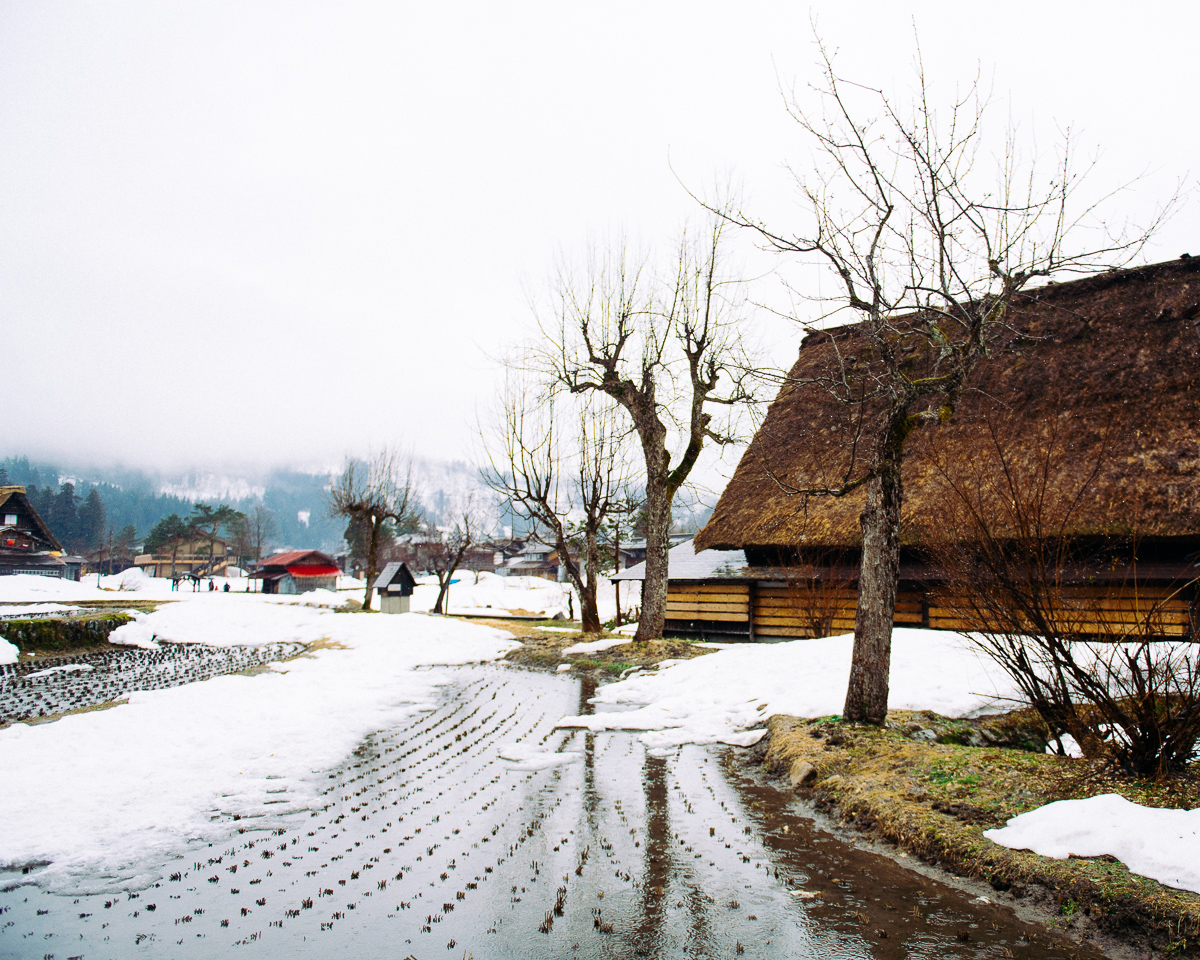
[[751, 594]]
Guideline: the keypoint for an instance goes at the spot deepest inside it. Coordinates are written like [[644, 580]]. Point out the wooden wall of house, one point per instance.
[[784, 611]]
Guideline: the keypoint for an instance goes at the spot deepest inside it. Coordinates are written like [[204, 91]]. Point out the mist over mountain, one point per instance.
[[295, 496]]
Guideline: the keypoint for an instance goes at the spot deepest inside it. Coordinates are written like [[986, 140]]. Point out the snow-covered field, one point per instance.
[[483, 593], [102, 796], [723, 697], [487, 593]]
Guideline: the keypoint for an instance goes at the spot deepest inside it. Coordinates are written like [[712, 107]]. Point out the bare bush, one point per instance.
[[1097, 631]]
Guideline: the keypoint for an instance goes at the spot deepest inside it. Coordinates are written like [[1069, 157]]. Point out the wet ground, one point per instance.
[[428, 844], [30, 690]]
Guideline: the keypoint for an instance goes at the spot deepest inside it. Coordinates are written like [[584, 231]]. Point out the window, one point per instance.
[[10, 519]]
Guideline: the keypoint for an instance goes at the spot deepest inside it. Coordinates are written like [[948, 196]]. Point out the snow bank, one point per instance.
[[489, 593], [28, 587], [494, 594], [723, 697], [104, 796], [1163, 845], [8, 652], [223, 621], [12, 611]]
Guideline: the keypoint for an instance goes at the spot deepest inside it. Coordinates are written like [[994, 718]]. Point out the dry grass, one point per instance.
[[934, 800], [543, 650]]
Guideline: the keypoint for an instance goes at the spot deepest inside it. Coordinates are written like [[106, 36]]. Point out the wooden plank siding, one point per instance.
[[781, 611]]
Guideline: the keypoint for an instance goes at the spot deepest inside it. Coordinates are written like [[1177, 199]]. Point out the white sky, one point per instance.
[[250, 231]]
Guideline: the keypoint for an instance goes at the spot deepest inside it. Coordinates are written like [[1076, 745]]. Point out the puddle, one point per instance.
[[425, 843]]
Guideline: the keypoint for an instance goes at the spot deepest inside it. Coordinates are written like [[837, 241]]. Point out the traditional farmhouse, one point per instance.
[[26, 543], [199, 557], [297, 571], [1073, 457], [395, 585]]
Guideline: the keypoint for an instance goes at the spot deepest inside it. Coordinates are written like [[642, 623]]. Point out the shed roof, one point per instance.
[[394, 574], [1099, 373]]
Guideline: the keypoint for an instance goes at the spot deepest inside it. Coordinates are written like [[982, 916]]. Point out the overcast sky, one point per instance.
[[280, 232]]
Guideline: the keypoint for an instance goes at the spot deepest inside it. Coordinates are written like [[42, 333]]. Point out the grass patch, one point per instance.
[[914, 784], [543, 650]]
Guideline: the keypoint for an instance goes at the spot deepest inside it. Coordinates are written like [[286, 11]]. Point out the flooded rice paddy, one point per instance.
[[428, 844]]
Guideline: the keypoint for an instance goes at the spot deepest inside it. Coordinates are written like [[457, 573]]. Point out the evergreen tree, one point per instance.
[[92, 521], [208, 521], [62, 515], [169, 533]]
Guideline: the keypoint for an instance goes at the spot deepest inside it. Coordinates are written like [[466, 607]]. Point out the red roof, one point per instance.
[[304, 558], [303, 563]]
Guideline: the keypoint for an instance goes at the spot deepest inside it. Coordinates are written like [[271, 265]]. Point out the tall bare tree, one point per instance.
[[374, 494], [263, 527], [930, 236], [667, 350], [566, 472]]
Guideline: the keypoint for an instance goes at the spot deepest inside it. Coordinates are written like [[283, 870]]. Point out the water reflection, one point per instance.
[[425, 843]]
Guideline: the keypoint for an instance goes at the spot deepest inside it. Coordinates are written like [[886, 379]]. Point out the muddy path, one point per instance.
[[428, 844]]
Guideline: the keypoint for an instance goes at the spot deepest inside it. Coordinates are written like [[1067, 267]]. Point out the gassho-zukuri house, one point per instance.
[[1076, 446], [297, 571], [26, 543]]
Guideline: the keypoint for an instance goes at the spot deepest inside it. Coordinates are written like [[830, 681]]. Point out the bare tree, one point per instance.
[[929, 244], [1103, 650], [262, 527], [667, 350], [374, 495], [447, 547], [568, 480]]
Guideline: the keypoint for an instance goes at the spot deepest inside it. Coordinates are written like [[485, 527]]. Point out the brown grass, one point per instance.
[[934, 800]]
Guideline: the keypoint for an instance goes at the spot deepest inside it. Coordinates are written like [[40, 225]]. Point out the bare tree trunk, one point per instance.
[[589, 609], [372, 560], [878, 579], [658, 532]]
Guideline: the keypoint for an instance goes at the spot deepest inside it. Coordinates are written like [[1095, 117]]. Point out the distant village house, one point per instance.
[[297, 571]]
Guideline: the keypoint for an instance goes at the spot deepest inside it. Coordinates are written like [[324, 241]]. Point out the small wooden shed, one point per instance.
[[297, 571], [395, 585]]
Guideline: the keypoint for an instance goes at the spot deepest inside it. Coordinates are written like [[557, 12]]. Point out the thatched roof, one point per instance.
[[13, 499], [1093, 389]]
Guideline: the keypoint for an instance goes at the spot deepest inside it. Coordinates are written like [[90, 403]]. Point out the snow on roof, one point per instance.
[[684, 563]]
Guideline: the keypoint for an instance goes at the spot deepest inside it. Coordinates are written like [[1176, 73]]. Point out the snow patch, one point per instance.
[[520, 757], [727, 694], [105, 796], [1163, 845]]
